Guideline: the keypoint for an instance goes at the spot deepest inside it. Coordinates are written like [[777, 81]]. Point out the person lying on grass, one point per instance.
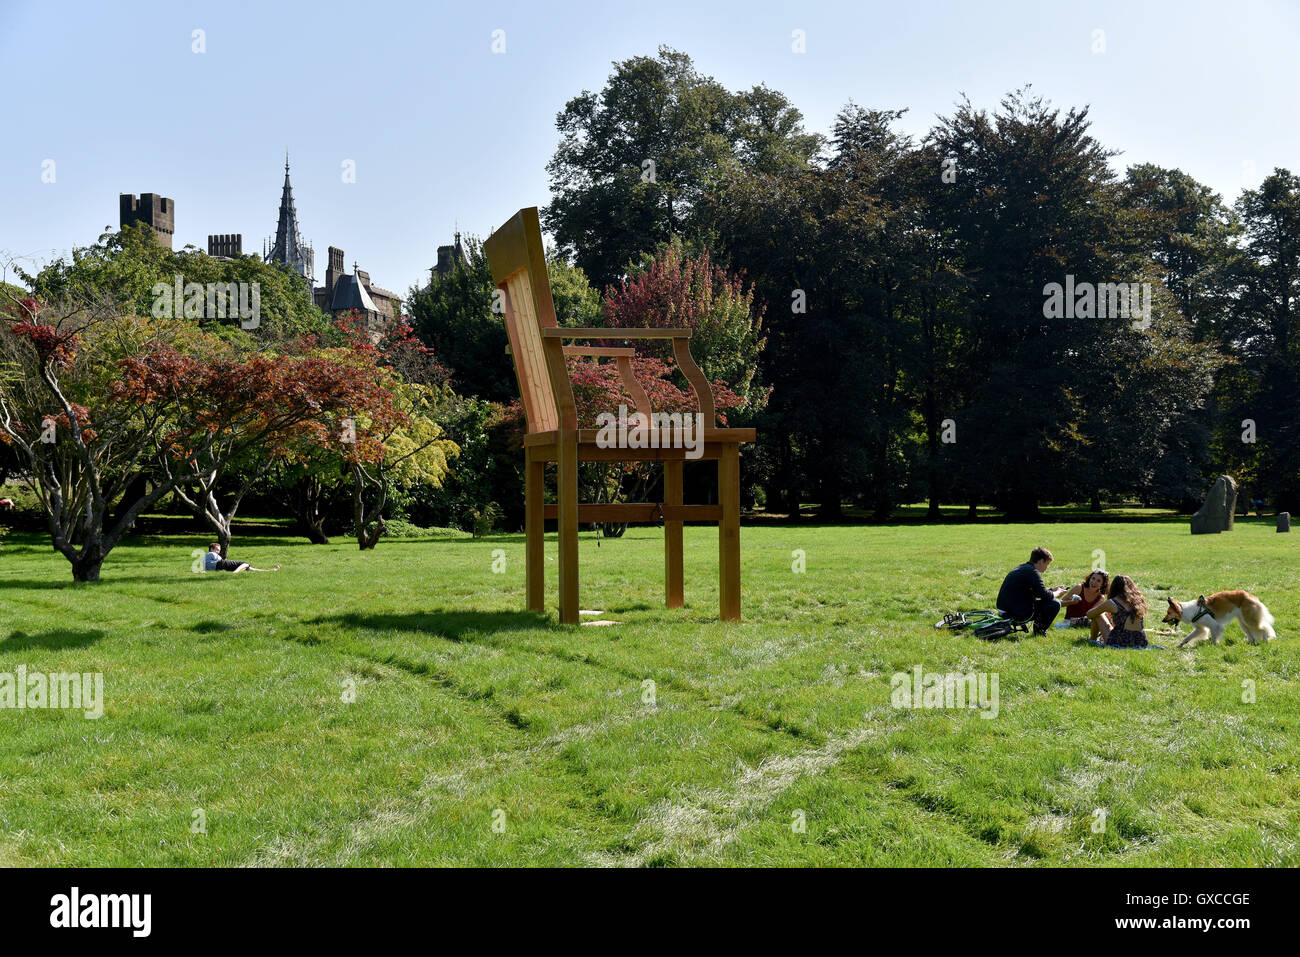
[[213, 562], [1081, 598], [1117, 621]]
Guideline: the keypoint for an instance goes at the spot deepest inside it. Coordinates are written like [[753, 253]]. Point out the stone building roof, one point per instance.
[[351, 294]]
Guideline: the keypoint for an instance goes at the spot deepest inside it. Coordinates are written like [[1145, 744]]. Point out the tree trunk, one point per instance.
[[86, 567], [314, 531], [830, 504], [368, 531], [1022, 508], [136, 489], [307, 501]]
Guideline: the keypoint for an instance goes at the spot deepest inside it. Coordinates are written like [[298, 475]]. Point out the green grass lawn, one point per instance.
[[481, 734]]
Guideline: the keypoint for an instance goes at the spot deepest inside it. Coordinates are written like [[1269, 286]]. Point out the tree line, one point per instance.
[[917, 342]]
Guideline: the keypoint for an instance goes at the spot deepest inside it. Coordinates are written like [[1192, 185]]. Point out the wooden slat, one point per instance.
[[530, 361], [517, 257], [534, 531], [673, 572], [729, 534], [699, 384], [567, 514], [610, 352], [595, 351], [640, 401], [587, 332]]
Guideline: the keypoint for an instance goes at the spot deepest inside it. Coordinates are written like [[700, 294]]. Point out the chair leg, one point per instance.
[[673, 535], [567, 500], [729, 533], [535, 530]]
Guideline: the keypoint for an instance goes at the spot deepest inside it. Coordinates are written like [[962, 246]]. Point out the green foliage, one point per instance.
[[483, 521], [399, 529], [1267, 342], [127, 266], [636, 159], [674, 288], [577, 302], [488, 469], [454, 315]]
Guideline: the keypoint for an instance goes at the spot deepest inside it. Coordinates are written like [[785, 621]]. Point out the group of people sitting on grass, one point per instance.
[[1113, 609]]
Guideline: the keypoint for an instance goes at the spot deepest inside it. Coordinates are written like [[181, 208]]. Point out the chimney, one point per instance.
[[335, 268]]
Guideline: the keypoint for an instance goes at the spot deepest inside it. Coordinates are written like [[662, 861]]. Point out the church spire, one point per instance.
[[289, 249]]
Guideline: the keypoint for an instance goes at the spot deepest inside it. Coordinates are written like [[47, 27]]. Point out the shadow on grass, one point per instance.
[[162, 578], [58, 640], [451, 624]]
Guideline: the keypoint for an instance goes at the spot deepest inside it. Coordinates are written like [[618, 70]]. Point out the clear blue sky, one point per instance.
[[445, 132]]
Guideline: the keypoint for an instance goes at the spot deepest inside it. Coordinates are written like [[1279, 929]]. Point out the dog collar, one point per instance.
[[1205, 610]]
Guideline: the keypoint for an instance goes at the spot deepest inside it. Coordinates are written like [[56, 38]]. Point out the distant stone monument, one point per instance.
[[1219, 510], [1284, 521]]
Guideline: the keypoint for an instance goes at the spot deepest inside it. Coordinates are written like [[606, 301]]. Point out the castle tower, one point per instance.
[[449, 257], [289, 249], [335, 268], [157, 212], [229, 245]]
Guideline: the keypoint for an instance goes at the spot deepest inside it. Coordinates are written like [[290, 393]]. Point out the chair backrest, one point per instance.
[[518, 261]]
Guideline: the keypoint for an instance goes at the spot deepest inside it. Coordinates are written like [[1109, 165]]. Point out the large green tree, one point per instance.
[[635, 159], [1266, 338]]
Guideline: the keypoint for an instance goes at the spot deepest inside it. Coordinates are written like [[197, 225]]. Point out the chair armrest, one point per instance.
[[588, 332], [599, 352], [610, 352], [681, 352]]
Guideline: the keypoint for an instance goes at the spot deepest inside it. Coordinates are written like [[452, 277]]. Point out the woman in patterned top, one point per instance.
[[1127, 608]]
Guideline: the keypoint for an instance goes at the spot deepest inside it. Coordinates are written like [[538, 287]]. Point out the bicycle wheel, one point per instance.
[[965, 619], [993, 630], [953, 622]]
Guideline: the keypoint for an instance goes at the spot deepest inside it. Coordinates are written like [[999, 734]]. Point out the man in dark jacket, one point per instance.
[[1023, 594]]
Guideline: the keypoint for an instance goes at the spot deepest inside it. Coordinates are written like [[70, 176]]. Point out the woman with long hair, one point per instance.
[[1080, 599], [1126, 609]]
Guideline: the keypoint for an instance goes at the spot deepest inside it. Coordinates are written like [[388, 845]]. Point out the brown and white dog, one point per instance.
[[1210, 616]]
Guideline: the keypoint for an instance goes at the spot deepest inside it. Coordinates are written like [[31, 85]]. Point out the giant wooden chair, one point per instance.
[[518, 261]]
